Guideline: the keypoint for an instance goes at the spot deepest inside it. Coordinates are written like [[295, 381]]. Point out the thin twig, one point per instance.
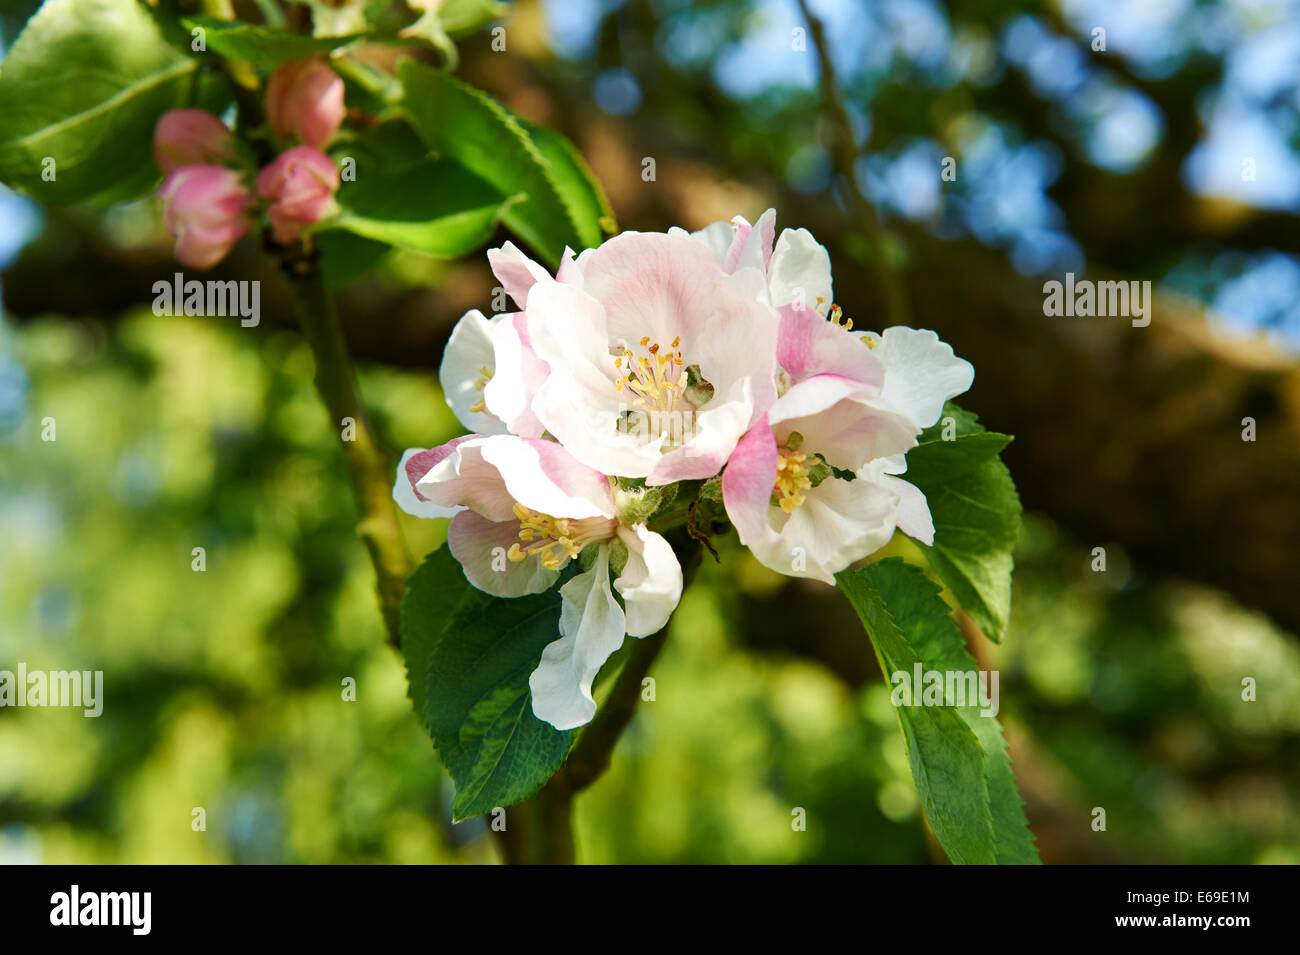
[[844, 153], [369, 470], [591, 756]]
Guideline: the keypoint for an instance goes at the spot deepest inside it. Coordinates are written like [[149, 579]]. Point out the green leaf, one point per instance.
[[84, 86], [474, 654], [441, 21], [263, 46], [578, 186], [976, 514], [346, 257], [436, 206], [958, 757], [465, 124]]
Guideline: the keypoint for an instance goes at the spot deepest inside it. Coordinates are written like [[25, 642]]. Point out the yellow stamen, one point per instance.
[[792, 479], [556, 540]]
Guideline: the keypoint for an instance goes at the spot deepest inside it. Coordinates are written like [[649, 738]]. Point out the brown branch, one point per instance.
[[844, 153]]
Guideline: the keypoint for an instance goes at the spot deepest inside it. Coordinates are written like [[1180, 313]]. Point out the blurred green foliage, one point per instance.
[[224, 688]]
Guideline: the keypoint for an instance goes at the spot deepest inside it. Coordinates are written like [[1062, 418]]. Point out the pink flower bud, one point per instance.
[[305, 99], [206, 209], [300, 186], [190, 137]]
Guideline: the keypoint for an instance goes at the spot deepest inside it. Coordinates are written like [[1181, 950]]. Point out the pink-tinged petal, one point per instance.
[[579, 403], [756, 247], [206, 208], [655, 288], [305, 99], [921, 372], [516, 272], [468, 352], [592, 628], [543, 476], [415, 464], [841, 420], [568, 328], [517, 376], [482, 547], [838, 523], [651, 582], [748, 481], [740, 229], [463, 478], [799, 272], [189, 137], [654, 285], [713, 434], [808, 344], [300, 185]]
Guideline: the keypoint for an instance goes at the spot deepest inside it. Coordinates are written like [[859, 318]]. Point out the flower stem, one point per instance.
[[370, 472], [545, 834]]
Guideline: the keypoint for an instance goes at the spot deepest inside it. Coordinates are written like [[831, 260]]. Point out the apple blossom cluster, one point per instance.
[[209, 203], [657, 366]]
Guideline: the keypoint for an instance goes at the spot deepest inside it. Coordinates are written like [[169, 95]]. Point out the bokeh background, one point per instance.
[[1173, 155]]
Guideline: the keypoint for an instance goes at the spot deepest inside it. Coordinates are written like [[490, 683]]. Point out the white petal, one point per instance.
[[913, 510], [591, 628], [516, 272], [838, 523], [800, 272], [543, 476], [404, 493], [921, 372], [716, 237], [756, 248], [468, 351], [517, 375], [464, 478], [914, 518], [651, 583]]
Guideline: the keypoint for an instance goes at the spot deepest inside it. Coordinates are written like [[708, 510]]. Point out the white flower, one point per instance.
[[659, 360], [523, 509]]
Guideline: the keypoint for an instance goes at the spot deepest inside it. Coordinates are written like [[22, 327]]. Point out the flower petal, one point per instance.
[[517, 376], [516, 271], [415, 464], [753, 250], [713, 433], [716, 237], [841, 420], [592, 628], [651, 583], [464, 479], [800, 271], [838, 523], [481, 546], [468, 352], [748, 481], [921, 372], [543, 476], [808, 344]]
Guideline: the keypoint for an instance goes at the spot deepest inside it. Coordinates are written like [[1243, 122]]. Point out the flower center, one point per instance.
[[553, 540], [485, 375], [656, 378], [792, 478]]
